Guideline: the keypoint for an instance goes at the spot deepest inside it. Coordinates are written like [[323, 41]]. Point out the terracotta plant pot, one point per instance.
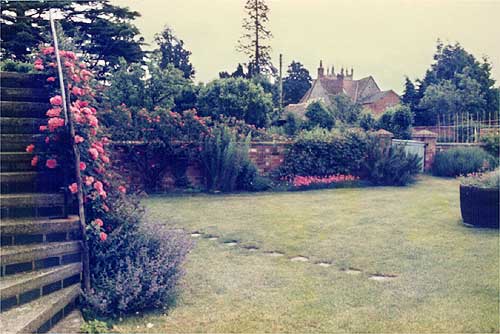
[[480, 207]]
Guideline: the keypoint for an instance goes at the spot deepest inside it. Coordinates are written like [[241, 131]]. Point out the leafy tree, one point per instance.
[[318, 115], [172, 51], [104, 32], [367, 121], [398, 120], [454, 66], [238, 73], [344, 109], [130, 86], [410, 97], [296, 83], [236, 97], [253, 41]]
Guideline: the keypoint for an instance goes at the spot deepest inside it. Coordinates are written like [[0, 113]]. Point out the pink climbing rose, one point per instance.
[[51, 163], [122, 189], [99, 222], [83, 166], [51, 79], [54, 112], [30, 148], [34, 161], [94, 154], [54, 123], [103, 236], [56, 100], [79, 139], [73, 188]]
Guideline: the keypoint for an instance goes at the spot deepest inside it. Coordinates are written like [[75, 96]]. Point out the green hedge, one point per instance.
[[320, 153]]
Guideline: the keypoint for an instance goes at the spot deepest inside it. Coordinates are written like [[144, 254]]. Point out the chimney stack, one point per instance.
[[321, 70]]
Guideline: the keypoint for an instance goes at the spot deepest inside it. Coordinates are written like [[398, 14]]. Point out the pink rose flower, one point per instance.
[[99, 222], [89, 180], [54, 112], [98, 186], [38, 67], [122, 189], [48, 50], [83, 166], [51, 79], [79, 139], [34, 161], [103, 236], [73, 188], [30, 148], [93, 153], [56, 100], [54, 123], [51, 163]]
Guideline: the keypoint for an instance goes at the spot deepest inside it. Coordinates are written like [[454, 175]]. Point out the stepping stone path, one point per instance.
[[251, 248], [324, 264], [382, 278], [274, 254]]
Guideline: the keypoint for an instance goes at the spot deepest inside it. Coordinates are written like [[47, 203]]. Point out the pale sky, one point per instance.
[[387, 39]]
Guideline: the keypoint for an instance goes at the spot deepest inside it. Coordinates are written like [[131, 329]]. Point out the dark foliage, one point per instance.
[[172, 52], [462, 161], [322, 153], [390, 166], [319, 116], [296, 83]]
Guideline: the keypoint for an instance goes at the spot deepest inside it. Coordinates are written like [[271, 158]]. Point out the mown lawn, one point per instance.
[[446, 275]]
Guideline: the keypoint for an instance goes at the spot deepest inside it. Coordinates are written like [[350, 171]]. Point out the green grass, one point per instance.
[[447, 274]]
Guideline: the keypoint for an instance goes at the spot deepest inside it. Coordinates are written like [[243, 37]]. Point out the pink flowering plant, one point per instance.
[[120, 247], [319, 182], [100, 186]]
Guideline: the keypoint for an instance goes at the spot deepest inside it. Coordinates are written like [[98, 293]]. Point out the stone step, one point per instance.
[[24, 109], [32, 205], [71, 324], [16, 79], [39, 200], [19, 182], [16, 259], [16, 161], [27, 94], [21, 288], [19, 142], [17, 125], [26, 231], [41, 314]]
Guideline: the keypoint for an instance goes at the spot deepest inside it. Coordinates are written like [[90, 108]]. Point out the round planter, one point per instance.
[[480, 207]]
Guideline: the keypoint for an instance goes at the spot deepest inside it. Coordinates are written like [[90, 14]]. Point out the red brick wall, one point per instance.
[[267, 156], [389, 100]]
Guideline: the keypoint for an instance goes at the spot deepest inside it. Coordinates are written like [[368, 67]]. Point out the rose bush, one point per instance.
[[112, 216]]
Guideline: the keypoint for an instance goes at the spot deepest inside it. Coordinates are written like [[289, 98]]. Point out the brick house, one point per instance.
[[365, 91]]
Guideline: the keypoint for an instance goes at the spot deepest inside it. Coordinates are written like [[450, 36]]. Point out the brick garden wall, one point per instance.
[[267, 156]]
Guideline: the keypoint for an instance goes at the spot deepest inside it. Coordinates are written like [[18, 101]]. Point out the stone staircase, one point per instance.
[[40, 243]]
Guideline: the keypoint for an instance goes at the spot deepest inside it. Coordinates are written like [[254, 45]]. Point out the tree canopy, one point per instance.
[[172, 51], [296, 83], [253, 42], [104, 32], [236, 97], [456, 82]]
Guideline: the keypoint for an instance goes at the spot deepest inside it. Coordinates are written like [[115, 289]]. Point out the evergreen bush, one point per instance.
[[462, 161]]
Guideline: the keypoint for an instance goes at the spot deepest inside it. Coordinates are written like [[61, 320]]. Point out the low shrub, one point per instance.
[[223, 157], [391, 166], [322, 153], [15, 66], [136, 268], [462, 161], [489, 180], [249, 179], [94, 327], [491, 143]]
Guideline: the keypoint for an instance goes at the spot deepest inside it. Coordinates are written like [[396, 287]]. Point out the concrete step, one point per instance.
[[40, 200], [19, 182], [21, 288], [71, 324], [16, 79], [38, 226], [19, 142], [24, 94], [16, 161], [28, 231], [24, 109], [17, 125], [16, 259], [41, 314], [32, 205]]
